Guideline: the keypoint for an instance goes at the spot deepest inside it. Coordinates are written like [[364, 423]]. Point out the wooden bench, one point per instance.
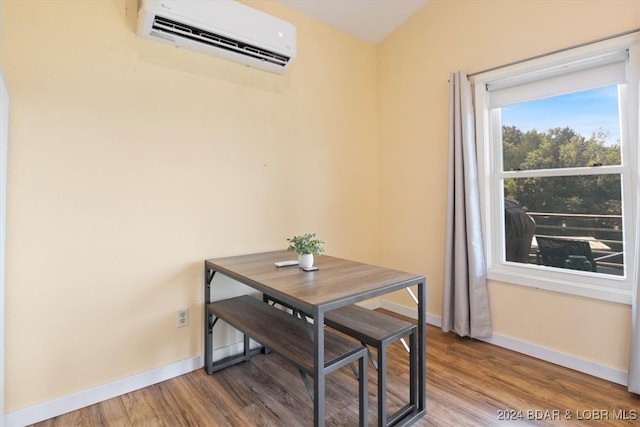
[[377, 330], [291, 338]]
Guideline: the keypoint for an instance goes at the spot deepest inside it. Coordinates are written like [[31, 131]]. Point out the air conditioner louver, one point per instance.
[[177, 29], [223, 28]]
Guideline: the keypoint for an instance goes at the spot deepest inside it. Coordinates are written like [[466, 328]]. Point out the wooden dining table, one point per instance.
[[337, 283]]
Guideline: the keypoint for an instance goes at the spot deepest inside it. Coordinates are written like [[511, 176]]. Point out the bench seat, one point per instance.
[[377, 330], [367, 325], [291, 338]]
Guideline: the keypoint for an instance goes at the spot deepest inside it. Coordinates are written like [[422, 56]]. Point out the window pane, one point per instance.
[[574, 130], [583, 208]]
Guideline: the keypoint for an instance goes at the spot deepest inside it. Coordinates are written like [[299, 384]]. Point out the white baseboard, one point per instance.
[[56, 407], [581, 365]]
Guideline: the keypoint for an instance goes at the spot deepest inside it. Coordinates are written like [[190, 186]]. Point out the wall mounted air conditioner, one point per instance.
[[223, 28]]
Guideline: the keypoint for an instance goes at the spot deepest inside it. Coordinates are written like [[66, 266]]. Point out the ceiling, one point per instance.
[[370, 20]]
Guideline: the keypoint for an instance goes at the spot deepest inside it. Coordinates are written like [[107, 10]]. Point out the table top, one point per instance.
[[336, 283]]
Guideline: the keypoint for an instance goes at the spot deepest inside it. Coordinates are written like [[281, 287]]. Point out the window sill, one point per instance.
[[578, 283]]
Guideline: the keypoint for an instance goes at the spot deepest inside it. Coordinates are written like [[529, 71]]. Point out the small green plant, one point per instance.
[[306, 244]]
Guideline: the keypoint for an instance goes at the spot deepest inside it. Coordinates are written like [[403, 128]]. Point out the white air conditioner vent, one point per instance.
[[223, 28], [167, 26]]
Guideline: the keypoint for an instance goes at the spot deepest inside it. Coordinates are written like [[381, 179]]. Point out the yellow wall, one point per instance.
[[131, 162], [414, 65]]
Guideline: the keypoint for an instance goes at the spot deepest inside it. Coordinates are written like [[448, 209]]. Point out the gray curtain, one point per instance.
[[465, 302], [633, 376]]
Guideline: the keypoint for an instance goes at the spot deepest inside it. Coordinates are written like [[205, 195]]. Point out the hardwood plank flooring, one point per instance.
[[469, 383]]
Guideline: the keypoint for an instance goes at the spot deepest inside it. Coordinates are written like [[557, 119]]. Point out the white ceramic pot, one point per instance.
[[305, 260]]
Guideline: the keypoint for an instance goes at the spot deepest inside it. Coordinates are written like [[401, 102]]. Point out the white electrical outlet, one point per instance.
[[183, 318]]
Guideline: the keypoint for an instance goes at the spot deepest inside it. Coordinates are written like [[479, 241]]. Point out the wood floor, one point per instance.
[[469, 383]]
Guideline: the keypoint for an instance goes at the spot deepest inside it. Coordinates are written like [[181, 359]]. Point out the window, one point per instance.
[[558, 163]]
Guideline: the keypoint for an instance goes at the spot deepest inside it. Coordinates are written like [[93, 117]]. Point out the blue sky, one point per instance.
[[585, 112]]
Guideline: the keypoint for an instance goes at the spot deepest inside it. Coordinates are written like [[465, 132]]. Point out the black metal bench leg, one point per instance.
[[363, 393], [382, 384], [383, 415], [413, 371]]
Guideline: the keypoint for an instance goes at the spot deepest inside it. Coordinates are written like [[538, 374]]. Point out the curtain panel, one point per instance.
[[465, 308], [633, 376]]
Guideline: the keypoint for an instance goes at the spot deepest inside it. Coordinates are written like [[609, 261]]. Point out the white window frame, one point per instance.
[[488, 130]]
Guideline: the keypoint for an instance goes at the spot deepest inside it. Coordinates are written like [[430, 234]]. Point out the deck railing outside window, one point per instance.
[[603, 232]]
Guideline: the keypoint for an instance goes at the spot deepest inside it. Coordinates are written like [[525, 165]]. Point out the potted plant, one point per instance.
[[306, 246]]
